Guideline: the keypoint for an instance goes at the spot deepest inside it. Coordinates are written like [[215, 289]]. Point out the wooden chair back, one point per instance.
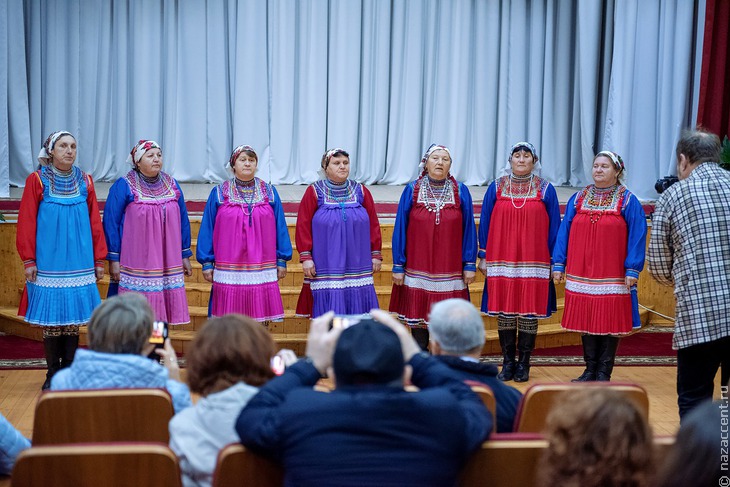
[[486, 394], [104, 415], [110, 465], [538, 401], [237, 466], [507, 463]]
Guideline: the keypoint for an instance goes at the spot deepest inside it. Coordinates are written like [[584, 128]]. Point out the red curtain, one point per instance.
[[714, 104]]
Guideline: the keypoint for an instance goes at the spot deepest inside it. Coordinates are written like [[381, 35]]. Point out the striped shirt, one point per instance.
[[690, 248]]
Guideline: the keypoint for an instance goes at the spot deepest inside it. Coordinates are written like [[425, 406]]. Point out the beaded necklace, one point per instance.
[[154, 188], [598, 200], [522, 182], [63, 183], [434, 195], [249, 193], [340, 193]]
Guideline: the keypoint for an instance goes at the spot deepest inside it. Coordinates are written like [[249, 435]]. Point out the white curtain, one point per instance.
[[381, 78]]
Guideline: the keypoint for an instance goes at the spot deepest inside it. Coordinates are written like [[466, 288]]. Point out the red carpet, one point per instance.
[[23, 353], [652, 346]]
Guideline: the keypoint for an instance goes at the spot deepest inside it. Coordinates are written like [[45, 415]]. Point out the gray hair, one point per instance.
[[121, 324], [456, 325], [699, 146]]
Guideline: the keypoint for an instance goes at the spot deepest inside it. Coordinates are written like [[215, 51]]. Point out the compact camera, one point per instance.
[[346, 321], [662, 184]]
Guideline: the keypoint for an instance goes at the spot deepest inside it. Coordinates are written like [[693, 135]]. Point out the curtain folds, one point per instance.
[[714, 104], [381, 78]]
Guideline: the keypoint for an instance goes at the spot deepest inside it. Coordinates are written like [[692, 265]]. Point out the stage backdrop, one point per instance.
[[380, 78]]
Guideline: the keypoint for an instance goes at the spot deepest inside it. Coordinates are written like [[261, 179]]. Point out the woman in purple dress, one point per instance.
[[243, 243], [148, 235], [339, 242]]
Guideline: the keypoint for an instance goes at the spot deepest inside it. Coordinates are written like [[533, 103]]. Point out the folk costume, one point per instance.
[[60, 233], [148, 233], [338, 228], [519, 223], [243, 238], [434, 242], [601, 241]]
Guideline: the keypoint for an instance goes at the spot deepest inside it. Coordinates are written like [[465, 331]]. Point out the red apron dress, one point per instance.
[[434, 268], [596, 298], [517, 252]]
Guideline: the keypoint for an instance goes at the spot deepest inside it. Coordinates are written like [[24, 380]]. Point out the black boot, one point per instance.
[[609, 346], [70, 344], [507, 341], [591, 352], [53, 346], [525, 345], [421, 336]]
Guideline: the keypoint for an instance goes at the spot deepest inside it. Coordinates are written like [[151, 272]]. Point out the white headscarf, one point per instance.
[[44, 156]]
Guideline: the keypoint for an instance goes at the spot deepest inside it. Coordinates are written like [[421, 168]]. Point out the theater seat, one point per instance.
[[107, 464], [504, 463], [237, 466], [102, 415], [486, 394], [538, 400]]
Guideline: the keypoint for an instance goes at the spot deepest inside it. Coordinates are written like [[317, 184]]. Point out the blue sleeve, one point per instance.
[[560, 251], [469, 238], [184, 225], [552, 205], [490, 197], [113, 222], [205, 253], [399, 230], [11, 444], [180, 395], [428, 372], [283, 241], [635, 218], [259, 424]]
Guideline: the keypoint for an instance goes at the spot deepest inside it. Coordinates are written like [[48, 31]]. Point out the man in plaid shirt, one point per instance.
[[690, 248]]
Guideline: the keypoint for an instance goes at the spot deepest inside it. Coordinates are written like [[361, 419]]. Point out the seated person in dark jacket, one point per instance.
[[368, 431], [457, 338]]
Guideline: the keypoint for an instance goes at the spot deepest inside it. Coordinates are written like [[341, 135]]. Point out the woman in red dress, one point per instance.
[[519, 223], [599, 254], [434, 243]]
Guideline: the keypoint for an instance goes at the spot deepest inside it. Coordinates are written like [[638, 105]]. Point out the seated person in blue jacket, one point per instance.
[[11, 444], [457, 338], [119, 342], [369, 430]]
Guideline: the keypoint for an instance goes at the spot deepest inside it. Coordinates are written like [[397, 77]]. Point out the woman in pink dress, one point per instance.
[[148, 235], [244, 244]]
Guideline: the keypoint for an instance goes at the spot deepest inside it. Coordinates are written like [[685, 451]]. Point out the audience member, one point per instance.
[[118, 334], [598, 437], [368, 431], [696, 458], [228, 361], [11, 444], [457, 338]]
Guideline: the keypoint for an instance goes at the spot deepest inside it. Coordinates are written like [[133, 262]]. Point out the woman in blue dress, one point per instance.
[[61, 242]]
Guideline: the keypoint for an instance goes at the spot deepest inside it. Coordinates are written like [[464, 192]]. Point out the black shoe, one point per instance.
[[507, 341], [591, 345], [54, 351], [586, 376], [609, 346], [421, 336], [525, 345], [70, 344]]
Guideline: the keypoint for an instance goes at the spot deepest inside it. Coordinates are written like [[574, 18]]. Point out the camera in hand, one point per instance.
[[662, 184], [346, 321], [160, 331]]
